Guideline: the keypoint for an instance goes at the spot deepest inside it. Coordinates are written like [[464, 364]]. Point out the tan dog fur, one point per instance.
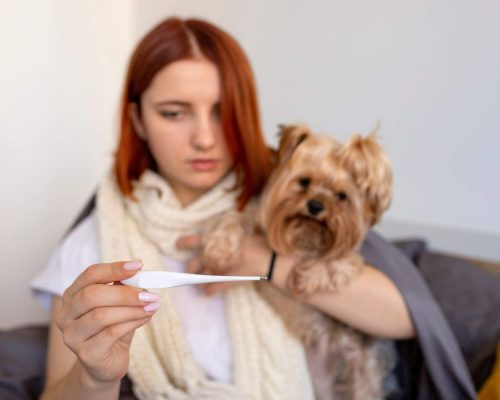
[[318, 205]]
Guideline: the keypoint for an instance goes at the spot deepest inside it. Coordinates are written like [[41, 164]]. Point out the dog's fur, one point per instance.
[[318, 205]]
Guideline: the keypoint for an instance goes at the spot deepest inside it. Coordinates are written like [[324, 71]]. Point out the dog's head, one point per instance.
[[323, 196]]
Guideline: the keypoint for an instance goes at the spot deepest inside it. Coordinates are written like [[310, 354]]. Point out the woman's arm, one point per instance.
[[65, 377], [370, 302]]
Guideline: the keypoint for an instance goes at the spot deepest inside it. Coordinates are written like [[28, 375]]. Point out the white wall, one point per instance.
[[427, 70], [61, 70]]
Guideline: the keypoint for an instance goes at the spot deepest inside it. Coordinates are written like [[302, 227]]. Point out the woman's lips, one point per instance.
[[203, 164]]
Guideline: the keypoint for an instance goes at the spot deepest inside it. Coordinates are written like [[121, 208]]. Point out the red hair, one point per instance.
[[175, 39]]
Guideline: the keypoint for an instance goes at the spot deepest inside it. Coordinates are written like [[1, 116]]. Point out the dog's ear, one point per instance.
[[372, 172], [291, 136]]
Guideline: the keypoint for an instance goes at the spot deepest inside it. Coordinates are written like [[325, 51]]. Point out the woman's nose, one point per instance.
[[204, 135]]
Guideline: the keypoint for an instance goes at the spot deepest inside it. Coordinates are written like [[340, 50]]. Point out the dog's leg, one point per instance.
[[341, 271], [222, 241], [324, 275]]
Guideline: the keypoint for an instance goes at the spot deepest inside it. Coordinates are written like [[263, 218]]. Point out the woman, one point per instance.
[[190, 147]]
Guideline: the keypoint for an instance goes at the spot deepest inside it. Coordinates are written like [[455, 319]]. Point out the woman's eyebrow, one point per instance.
[[173, 103]]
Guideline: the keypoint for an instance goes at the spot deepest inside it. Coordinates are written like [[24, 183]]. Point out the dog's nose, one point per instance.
[[315, 207]]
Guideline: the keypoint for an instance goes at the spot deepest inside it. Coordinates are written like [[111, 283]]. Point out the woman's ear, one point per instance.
[[133, 113]]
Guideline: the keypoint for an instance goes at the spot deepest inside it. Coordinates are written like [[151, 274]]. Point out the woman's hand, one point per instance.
[[97, 320]]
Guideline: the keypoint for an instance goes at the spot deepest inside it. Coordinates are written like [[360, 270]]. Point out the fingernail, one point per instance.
[[132, 265], [152, 307], [148, 296]]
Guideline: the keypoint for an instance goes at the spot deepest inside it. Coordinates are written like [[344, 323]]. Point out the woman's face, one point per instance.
[[180, 120]]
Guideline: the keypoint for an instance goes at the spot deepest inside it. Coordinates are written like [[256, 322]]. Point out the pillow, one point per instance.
[[491, 389], [22, 362], [470, 300]]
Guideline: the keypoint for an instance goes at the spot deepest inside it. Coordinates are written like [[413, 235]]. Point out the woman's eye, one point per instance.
[[171, 114], [342, 196], [304, 182]]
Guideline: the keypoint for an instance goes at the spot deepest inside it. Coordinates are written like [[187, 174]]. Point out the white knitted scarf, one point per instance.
[[268, 362]]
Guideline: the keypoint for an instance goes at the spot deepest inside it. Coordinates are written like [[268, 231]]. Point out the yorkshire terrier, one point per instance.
[[320, 201]]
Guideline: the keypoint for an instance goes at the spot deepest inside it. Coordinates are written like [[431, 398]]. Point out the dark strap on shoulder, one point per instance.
[[84, 213]]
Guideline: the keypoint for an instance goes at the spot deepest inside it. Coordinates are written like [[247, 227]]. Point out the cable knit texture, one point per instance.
[[268, 362]]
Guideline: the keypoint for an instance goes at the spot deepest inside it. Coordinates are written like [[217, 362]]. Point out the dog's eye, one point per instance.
[[342, 196], [304, 182]]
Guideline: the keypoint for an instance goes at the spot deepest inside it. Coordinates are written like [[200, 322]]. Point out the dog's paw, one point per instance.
[[302, 281], [222, 243], [341, 272], [306, 279]]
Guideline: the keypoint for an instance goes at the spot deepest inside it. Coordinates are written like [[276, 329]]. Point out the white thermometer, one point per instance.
[[167, 279]]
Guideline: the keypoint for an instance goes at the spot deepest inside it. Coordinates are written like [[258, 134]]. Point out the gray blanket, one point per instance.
[[442, 372]]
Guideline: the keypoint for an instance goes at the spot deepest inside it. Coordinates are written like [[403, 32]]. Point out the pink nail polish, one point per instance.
[[132, 265], [152, 307], [148, 296]]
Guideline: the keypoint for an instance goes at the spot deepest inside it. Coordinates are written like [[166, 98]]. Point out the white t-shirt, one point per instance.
[[203, 317]]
